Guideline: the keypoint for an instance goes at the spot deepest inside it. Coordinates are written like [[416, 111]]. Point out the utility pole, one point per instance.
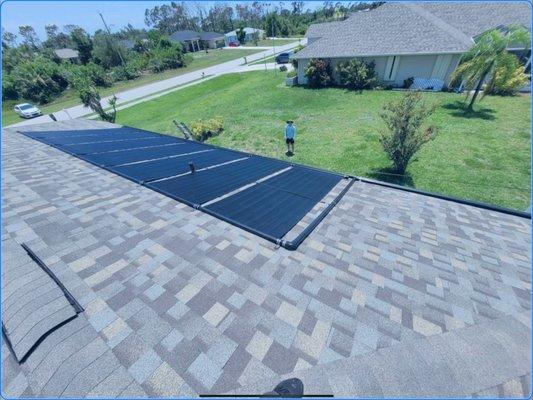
[[109, 32]]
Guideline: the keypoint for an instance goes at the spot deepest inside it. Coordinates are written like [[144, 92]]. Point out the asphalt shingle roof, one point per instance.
[[394, 292], [211, 35], [412, 28], [182, 36], [66, 53]]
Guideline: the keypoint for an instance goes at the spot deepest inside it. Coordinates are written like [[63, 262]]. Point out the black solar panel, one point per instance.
[[136, 155], [264, 208], [270, 208], [305, 182], [64, 140], [203, 186], [82, 132], [158, 169], [120, 145]]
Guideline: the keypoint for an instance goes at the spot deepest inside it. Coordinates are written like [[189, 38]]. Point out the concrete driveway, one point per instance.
[[147, 92]]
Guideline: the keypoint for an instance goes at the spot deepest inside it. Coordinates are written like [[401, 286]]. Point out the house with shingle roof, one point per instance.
[[410, 40], [67, 54], [395, 293], [231, 37], [189, 39]]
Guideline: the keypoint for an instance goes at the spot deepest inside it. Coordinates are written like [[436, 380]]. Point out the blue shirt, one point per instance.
[[290, 132]]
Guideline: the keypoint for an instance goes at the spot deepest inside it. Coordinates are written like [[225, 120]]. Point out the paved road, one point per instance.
[[147, 92]]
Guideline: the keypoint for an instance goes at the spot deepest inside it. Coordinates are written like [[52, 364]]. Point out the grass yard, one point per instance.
[[484, 157], [268, 42], [70, 98]]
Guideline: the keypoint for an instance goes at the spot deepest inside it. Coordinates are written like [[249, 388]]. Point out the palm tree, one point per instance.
[[488, 54]]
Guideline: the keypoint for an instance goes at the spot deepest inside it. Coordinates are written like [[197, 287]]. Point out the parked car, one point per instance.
[[233, 44], [26, 110], [282, 58]]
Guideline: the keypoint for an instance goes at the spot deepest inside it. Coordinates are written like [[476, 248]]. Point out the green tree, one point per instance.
[[39, 79], [30, 38], [509, 77], [90, 98], [8, 39], [488, 54], [107, 51], [83, 43], [404, 136], [241, 35]]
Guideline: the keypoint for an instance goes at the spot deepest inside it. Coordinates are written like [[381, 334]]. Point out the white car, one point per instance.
[[26, 110]]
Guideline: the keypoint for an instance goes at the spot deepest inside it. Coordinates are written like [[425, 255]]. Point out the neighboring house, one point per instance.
[[231, 37], [67, 54], [213, 40], [127, 43], [418, 40], [189, 39]]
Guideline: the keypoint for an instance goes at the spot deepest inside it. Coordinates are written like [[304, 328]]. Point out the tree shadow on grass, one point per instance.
[[388, 175], [459, 109]]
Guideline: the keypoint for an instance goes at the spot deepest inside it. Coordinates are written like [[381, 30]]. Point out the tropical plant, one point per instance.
[[488, 55], [90, 98], [357, 75], [404, 136], [319, 73], [508, 78]]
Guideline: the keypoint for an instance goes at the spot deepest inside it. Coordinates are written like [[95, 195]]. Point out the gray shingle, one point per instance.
[[397, 28]]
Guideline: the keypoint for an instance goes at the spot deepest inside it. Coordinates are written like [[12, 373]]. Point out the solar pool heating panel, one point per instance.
[[305, 182], [108, 137], [135, 155], [83, 132], [119, 145], [263, 208], [166, 167], [203, 186]]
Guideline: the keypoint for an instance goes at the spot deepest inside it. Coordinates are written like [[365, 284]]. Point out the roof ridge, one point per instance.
[[439, 23]]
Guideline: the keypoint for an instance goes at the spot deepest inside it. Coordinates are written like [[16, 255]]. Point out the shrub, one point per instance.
[[130, 70], [292, 74], [357, 75], [408, 82], [508, 79], [39, 80], [319, 73], [163, 58], [97, 74], [404, 136], [203, 130], [9, 89]]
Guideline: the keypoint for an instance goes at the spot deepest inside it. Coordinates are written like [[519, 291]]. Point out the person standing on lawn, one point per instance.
[[290, 136]]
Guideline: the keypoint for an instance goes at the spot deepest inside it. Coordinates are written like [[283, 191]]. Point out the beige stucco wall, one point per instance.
[[416, 66]]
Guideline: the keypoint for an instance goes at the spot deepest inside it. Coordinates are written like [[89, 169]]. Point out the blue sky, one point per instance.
[[84, 13]]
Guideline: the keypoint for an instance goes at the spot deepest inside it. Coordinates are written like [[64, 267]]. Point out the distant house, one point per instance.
[[67, 54], [189, 39], [411, 40], [231, 37], [127, 43], [213, 40]]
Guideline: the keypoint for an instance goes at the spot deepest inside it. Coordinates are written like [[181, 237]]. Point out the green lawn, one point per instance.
[[69, 98], [262, 61], [485, 156], [268, 42]]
